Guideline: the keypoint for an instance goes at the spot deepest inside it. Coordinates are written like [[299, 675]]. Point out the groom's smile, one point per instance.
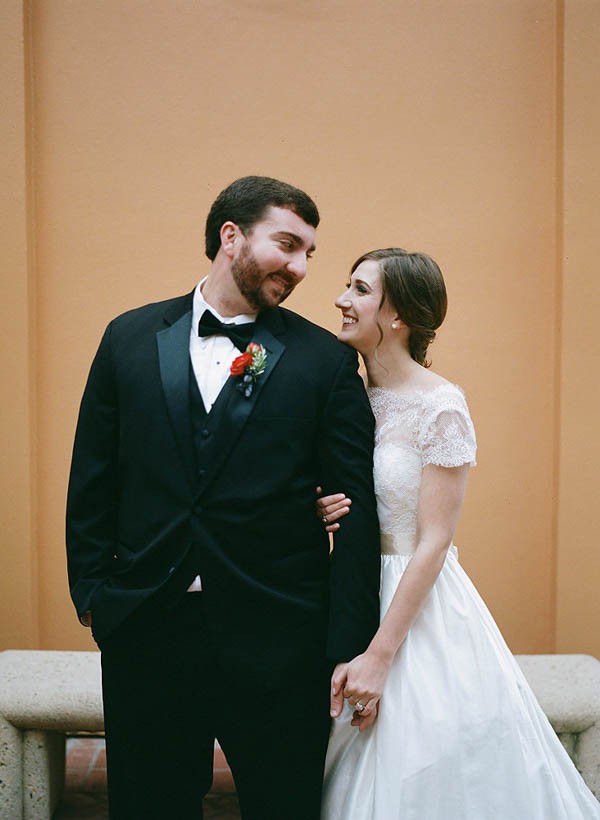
[[272, 258]]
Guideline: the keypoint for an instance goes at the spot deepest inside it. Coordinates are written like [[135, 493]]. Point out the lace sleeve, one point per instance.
[[448, 436]]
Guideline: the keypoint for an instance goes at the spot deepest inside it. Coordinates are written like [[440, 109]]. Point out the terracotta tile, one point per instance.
[[222, 782], [85, 784], [95, 781], [79, 806], [74, 779], [80, 757], [100, 762], [93, 806], [220, 761], [221, 807]]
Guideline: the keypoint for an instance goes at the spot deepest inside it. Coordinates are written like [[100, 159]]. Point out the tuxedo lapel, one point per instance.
[[174, 359], [232, 409]]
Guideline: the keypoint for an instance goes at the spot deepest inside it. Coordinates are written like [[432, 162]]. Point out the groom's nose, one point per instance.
[[297, 265]]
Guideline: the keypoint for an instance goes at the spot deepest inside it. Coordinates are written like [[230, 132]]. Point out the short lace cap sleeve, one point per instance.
[[447, 435]]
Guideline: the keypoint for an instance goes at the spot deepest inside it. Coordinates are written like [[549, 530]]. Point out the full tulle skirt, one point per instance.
[[460, 735]]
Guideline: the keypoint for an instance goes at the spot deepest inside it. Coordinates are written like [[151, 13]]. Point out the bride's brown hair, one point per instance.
[[413, 284]]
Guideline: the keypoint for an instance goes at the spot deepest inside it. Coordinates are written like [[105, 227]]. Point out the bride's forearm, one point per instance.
[[367, 673], [412, 592], [440, 500]]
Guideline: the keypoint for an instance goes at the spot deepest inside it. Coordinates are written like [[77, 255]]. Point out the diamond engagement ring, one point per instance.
[[359, 706]]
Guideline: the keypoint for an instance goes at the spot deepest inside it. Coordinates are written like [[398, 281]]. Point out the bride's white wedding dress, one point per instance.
[[459, 734]]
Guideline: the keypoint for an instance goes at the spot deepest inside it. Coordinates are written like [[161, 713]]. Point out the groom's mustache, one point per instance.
[[288, 280]]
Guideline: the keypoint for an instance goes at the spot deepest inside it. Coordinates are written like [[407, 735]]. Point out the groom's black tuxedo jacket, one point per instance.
[[157, 495]]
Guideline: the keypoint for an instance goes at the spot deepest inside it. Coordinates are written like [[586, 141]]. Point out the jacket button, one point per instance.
[[201, 473], [205, 433]]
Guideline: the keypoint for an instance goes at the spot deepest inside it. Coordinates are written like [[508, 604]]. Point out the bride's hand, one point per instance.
[[332, 507], [365, 678], [364, 722]]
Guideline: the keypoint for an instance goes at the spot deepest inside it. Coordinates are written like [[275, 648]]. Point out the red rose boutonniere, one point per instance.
[[250, 365]]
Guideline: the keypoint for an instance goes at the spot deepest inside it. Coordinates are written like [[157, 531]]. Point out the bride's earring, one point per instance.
[[394, 325]]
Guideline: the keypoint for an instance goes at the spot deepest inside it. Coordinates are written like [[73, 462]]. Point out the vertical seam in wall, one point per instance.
[[558, 307], [30, 198]]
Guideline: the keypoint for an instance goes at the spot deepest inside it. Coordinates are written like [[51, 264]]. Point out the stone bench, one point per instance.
[[568, 690], [44, 695]]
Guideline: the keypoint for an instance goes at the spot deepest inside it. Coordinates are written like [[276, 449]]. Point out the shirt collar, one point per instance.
[[200, 305]]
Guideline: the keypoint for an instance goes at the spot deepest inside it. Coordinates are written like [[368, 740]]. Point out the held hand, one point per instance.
[[338, 681], [86, 619], [332, 507], [365, 679]]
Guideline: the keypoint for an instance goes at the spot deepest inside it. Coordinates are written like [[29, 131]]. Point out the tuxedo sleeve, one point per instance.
[[346, 453], [92, 496]]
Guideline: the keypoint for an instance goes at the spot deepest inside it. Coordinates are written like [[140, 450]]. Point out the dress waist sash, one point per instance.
[[400, 544], [403, 545]]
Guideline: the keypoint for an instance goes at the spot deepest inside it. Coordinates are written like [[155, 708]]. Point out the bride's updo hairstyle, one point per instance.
[[413, 284]]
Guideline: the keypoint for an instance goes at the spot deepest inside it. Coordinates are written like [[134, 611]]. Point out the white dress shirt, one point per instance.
[[211, 357]]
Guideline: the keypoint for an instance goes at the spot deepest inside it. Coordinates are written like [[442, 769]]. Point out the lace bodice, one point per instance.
[[414, 429]]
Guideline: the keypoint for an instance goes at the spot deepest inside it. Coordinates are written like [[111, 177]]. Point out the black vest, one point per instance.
[[203, 427]]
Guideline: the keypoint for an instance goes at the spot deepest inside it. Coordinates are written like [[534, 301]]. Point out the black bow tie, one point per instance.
[[240, 335]]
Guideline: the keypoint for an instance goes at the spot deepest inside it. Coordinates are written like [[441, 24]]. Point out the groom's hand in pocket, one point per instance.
[[86, 619]]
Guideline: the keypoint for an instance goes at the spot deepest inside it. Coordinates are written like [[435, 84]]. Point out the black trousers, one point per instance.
[[165, 702]]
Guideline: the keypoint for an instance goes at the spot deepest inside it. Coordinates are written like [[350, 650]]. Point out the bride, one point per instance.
[[439, 722]]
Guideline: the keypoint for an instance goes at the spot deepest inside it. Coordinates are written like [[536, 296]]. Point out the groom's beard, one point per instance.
[[253, 282]]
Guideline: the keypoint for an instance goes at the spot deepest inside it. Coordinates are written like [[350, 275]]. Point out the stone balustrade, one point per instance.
[[43, 696], [46, 694]]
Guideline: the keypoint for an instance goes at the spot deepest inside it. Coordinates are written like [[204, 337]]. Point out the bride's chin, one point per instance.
[[350, 342]]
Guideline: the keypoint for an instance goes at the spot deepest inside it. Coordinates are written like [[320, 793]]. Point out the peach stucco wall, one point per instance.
[[578, 598], [435, 126], [18, 578]]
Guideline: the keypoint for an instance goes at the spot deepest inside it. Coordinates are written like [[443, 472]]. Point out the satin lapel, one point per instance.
[[232, 413], [174, 358]]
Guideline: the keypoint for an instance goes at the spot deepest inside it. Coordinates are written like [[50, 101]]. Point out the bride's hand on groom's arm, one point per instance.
[[330, 508]]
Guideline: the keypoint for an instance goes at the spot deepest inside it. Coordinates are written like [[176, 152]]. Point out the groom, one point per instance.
[[193, 546]]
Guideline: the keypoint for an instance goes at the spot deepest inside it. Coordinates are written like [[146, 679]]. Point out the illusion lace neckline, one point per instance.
[[414, 391]]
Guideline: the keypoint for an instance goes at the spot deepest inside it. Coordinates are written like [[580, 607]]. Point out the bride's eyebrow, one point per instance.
[[362, 282]]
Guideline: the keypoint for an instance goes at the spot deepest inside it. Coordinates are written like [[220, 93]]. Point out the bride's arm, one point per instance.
[[441, 497]]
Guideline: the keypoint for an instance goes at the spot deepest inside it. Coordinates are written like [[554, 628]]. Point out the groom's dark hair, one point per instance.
[[245, 201]]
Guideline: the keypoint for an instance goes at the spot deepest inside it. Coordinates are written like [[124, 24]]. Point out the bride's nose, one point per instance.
[[342, 301]]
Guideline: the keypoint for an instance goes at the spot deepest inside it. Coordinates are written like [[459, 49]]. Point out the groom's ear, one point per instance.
[[229, 233]]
